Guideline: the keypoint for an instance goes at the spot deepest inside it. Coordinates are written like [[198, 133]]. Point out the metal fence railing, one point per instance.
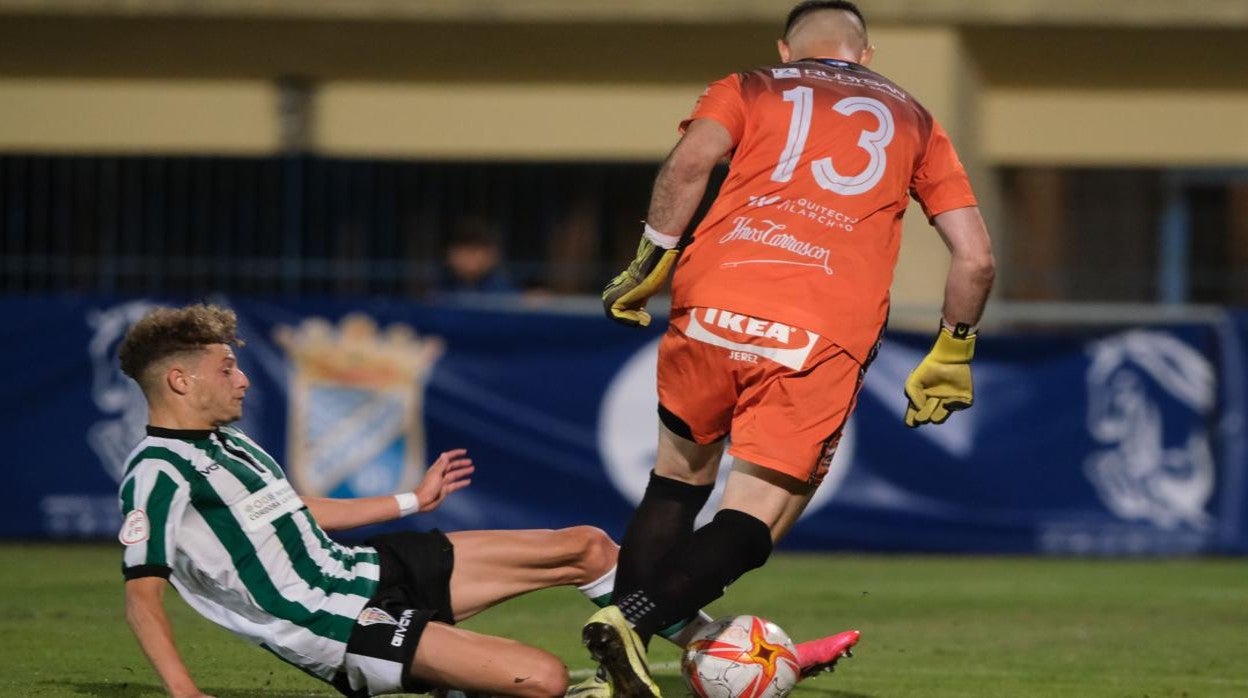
[[303, 224]]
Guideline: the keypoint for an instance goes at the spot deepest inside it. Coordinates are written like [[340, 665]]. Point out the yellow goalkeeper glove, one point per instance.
[[625, 297], [941, 383]]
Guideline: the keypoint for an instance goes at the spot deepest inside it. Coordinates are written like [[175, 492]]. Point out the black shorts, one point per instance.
[[414, 588]]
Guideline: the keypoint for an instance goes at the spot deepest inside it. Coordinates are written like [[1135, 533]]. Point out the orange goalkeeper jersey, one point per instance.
[[807, 226]]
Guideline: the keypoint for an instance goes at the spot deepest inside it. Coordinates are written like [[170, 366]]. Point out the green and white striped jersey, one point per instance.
[[212, 512]]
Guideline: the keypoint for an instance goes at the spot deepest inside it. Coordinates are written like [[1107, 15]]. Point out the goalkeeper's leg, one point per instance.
[[664, 518], [760, 505]]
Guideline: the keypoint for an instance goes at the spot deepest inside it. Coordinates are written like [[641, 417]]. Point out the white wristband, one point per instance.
[[408, 503], [667, 242]]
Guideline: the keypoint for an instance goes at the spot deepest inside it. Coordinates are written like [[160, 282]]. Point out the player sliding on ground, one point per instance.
[[778, 304], [207, 509]]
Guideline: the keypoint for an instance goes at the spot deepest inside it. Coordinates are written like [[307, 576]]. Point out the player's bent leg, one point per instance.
[[477, 663], [679, 487], [683, 477], [681, 458], [780, 500], [772, 497], [758, 506], [693, 575], [492, 566], [717, 554]]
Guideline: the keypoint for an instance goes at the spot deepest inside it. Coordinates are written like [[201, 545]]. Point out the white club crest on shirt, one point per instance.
[[375, 616], [135, 529]]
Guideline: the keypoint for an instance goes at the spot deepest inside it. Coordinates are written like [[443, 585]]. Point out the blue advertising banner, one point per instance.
[[1123, 442]]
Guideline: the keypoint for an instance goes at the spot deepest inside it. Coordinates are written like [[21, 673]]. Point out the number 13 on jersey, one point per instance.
[[824, 171]]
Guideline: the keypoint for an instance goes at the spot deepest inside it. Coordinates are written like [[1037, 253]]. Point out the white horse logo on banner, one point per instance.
[[1147, 471], [116, 396]]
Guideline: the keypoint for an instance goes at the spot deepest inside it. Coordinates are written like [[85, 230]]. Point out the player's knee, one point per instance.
[[595, 552], [547, 677]]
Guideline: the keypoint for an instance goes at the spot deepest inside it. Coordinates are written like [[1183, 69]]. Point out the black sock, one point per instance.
[[663, 520], [696, 573]]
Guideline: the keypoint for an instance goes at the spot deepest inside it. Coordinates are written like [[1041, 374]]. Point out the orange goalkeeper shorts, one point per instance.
[[781, 392]]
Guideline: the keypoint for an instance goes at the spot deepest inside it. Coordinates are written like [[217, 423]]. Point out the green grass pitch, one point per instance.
[[932, 627]]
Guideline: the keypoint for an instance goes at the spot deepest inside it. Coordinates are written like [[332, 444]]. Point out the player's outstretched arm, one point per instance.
[[452, 471], [678, 189], [972, 268], [145, 612], [941, 384]]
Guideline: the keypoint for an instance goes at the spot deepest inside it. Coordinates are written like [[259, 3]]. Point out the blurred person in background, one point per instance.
[[779, 301], [474, 259]]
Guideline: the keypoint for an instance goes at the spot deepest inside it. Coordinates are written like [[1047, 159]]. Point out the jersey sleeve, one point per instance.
[[153, 501], [940, 183], [723, 102]]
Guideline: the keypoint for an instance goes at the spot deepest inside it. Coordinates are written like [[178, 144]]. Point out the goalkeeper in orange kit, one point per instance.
[[779, 300]]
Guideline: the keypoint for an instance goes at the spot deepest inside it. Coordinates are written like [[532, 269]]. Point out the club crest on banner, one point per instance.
[[356, 416]]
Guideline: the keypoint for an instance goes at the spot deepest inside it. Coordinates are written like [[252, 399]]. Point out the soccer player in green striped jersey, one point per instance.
[[208, 510]]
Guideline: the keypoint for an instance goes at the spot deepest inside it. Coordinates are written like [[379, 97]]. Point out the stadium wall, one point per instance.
[[222, 117]]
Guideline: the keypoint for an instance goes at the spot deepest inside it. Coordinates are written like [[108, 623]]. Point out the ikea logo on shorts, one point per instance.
[[745, 324]]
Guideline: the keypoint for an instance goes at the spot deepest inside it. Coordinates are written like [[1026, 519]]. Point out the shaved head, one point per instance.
[[826, 29]]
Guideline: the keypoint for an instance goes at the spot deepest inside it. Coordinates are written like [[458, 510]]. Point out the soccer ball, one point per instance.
[[740, 657]]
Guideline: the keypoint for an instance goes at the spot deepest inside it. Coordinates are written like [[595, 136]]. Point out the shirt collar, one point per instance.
[[184, 434]]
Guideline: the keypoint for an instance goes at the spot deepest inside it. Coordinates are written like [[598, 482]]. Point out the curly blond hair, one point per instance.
[[165, 332]]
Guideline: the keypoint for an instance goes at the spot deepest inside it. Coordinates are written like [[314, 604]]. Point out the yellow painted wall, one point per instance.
[[148, 116], [1154, 128], [1119, 97], [500, 121]]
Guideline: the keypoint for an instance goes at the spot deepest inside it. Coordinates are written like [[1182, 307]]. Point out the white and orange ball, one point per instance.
[[741, 657]]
